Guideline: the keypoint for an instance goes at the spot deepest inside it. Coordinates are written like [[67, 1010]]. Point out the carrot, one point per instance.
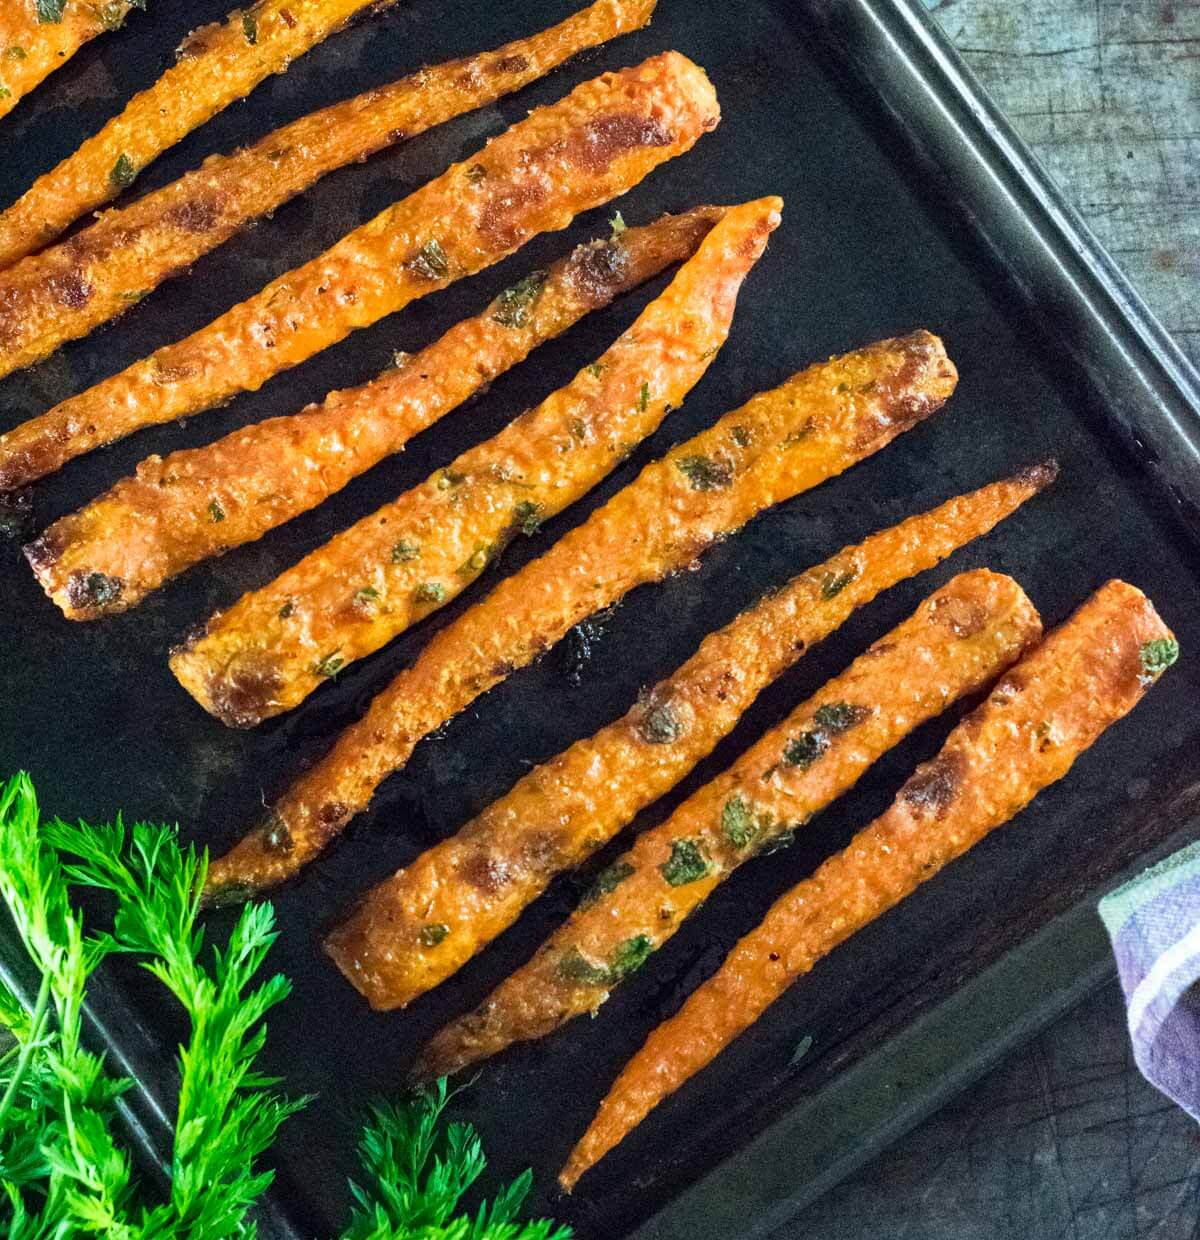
[[216, 66], [1056, 703], [392, 568], [779, 444], [65, 292], [599, 141], [39, 36], [558, 814], [175, 512], [960, 639]]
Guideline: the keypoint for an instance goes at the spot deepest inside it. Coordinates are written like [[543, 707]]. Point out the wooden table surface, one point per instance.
[[1066, 1141]]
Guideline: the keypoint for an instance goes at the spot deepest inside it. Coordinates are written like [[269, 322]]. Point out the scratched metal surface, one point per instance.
[[1066, 1141]]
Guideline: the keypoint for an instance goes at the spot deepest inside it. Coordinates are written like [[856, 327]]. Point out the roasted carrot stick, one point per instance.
[[1050, 708], [200, 502], [782, 442], [415, 929], [216, 66], [392, 568], [38, 36], [599, 141], [960, 639], [64, 292]]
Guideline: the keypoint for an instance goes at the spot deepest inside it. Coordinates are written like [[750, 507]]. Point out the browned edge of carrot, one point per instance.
[[589, 147], [200, 502], [63, 292], [1049, 709], [957, 642], [779, 444], [418, 927]]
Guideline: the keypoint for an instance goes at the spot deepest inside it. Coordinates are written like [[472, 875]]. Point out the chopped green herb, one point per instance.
[[800, 434], [579, 429], [738, 824], [1156, 656], [215, 512], [430, 592], [430, 261], [514, 305], [15, 52], [837, 717], [630, 956], [705, 473], [405, 550], [576, 967], [710, 352], [595, 369], [644, 398], [5, 93], [527, 517], [135, 294], [660, 725], [433, 934], [832, 584], [805, 1045], [368, 594], [99, 590], [50, 11], [608, 880], [617, 224], [842, 389], [476, 562], [805, 749], [250, 28], [686, 864], [741, 436], [112, 15], [123, 172], [277, 836], [449, 478], [288, 609], [330, 665], [476, 173]]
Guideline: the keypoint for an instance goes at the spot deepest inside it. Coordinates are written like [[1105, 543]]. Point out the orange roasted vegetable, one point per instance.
[[350, 597], [1084, 677], [588, 148], [39, 36], [216, 65], [782, 442], [473, 885], [164, 519], [64, 292], [960, 639]]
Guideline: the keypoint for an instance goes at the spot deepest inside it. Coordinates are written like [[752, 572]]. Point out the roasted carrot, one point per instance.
[[39, 36], [197, 503], [415, 929], [960, 639], [599, 141], [782, 442], [64, 292], [216, 65], [1050, 708], [392, 568]]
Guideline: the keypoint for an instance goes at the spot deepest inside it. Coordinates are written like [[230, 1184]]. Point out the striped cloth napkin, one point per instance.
[[1155, 930]]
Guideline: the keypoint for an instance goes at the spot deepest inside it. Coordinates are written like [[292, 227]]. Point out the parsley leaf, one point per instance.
[[50, 11], [686, 864]]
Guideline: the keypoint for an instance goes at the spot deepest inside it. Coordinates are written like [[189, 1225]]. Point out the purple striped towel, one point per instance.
[[1154, 924]]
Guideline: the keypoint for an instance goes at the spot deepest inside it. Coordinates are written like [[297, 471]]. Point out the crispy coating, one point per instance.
[[372, 581], [30, 50], [578, 153], [475, 883], [780, 443], [162, 520], [1040, 717], [130, 251], [215, 66], [960, 639]]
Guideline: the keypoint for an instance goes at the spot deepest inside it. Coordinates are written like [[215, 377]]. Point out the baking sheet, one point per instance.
[[906, 205]]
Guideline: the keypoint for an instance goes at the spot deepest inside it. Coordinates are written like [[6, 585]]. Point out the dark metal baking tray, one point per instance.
[[909, 203]]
